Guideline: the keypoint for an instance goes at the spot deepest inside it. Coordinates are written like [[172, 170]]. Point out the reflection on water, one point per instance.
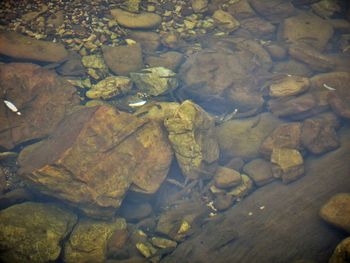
[[174, 131]]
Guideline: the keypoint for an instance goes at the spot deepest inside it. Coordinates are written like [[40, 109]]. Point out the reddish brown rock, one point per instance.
[[318, 137], [286, 135], [123, 59], [93, 158], [40, 95], [22, 47]]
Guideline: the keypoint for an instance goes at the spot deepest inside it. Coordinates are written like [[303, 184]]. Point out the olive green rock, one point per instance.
[[88, 241], [33, 232], [155, 81], [109, 88], [191, 133]]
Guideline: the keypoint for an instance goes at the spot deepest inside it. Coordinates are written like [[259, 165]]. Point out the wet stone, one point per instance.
[[22, 47], [122, 60], [155, 81], [287, 135], [243, 189], [191, 133], [241, 9], [337, 211], [258, 27], [225, 21], [318, 136], [94, 142], [149, 41], [290, 164], [223, 202], [289, 86], [301, 29], [260, 171], [109, 88], [33, 232], [273, 10], [341, 253], [199, 6], [136, 21], [226, 177], [89, 239], [171, 60]]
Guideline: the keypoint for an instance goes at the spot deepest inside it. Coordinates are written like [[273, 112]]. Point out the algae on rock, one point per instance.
[[191, 133]]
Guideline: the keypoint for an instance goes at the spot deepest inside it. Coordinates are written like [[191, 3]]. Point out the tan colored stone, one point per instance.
[[337, 211], [290, 162], [136, 21], [341, 253], [260, 171], [226, 177], [289, 86], [225, 21]]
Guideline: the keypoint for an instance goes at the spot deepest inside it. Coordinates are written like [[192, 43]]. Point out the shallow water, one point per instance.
[[174, 131]]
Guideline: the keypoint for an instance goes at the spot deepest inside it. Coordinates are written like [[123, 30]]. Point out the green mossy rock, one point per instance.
[[32, 232]]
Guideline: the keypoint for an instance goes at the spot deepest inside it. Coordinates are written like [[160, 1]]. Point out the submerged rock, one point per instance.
[[34, 232], [136, 21], [109, 88], [301, 29], [287, 135], [260, 171], [171, 60], [341, 253], [337, 211], [191, 133], [289, 86], [243, 137], [42, 98], [93, 158], [155, 81], [89, 239], [227, 178], [225, 21], [290, 164], [273, 10], [150, 41], [18, 46], [123, 59]]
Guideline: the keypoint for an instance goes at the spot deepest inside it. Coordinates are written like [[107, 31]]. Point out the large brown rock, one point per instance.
[[341, 253], [302, 29], [42, 98], [22, 47], [337, 211], [93, 158], [136, 21], [260, 171], [222, 75], [123, 59]]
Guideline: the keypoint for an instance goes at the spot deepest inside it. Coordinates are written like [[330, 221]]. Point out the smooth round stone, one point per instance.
[[136, 21]]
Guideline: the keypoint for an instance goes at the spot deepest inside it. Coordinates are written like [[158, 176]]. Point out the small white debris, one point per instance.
[[137, 104], [289, 75], [212, 214], [262, 207], [328, 87], [211, 206], [250, 213], [12, 107]]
